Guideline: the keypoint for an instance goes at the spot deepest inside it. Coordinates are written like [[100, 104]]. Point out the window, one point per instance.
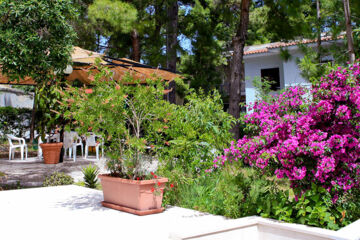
[[272, 75]]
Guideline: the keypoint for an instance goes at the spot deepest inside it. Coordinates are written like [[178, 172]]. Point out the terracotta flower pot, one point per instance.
[[133, 196], [51, 152]]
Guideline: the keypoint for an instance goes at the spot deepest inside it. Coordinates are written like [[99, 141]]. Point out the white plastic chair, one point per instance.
[[22, 145], [91, 142], [71, 142], [77, 142]]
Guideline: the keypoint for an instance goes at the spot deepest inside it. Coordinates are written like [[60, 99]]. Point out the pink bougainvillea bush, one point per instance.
[[308, 136]]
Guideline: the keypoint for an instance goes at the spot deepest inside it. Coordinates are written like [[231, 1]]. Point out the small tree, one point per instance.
[[36, 40], [129, 118]]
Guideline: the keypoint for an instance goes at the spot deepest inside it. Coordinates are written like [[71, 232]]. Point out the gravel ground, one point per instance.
[[32, 172]]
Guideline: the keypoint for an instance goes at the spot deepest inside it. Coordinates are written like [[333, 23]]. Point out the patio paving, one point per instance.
[[32, 172], [73, 212]]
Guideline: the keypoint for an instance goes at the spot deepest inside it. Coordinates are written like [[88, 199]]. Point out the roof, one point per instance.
[[80, 55], [263, 48], [83, 64]]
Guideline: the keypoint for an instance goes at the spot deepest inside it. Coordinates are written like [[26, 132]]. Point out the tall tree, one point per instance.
[[207, 27], [171, 42], [349, 35], [86, 31], [318, 24], [117, 18], [237, 65], [135, 42]]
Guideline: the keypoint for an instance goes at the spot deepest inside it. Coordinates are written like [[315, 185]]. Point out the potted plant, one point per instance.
[[131, 119], [48, 120], [51, 152]]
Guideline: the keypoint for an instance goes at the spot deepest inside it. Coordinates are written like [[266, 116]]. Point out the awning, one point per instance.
[[83, 65]]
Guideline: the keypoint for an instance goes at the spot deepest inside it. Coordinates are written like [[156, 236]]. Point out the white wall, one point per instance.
[[253, 66], [292, 72], [289, 71]]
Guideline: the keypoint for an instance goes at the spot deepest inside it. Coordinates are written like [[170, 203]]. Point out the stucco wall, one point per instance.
[[253, 66], [289, 71]]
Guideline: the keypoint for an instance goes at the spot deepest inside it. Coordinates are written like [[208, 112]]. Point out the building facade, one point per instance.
[[266, 62]]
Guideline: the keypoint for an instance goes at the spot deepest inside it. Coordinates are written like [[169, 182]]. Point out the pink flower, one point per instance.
[[313, 138]]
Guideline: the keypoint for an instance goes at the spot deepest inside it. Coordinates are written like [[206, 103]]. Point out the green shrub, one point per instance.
[[247, 192], [231, 193], [197, 132], [90, 176], [2, 176], [12, 120], [351, 204], [57, 179], [314, 208]]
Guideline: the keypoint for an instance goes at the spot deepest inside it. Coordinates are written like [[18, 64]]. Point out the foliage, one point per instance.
[[58, 179], [232, 193], [2, 177], [138, 125], [351, 205], [208, 28], [90, 176], [14, 120], [314, 208], [197, 132], [131, 118], [247, 191], [35, 38], [263, 88], [47, 108], [313, 139], [113, 27], [120, 15], [82, 184]]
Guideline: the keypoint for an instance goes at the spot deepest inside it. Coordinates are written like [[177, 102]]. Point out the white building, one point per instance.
[[11, 97], [264, 61]]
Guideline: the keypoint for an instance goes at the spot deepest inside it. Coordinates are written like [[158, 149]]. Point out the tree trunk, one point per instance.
[[237, 65], [135, 40], [33, 114], [62, 131], [349, 31], [171, 43], [158, 22], [318, 23]]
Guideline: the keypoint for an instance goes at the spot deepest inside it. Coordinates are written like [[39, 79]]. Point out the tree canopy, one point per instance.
[[36, 38]]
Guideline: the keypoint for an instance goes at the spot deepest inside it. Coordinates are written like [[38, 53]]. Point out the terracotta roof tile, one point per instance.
[[263, 48]]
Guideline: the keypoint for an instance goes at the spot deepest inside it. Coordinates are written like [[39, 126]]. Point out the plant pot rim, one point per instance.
[[53, 143], [131, 181]]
